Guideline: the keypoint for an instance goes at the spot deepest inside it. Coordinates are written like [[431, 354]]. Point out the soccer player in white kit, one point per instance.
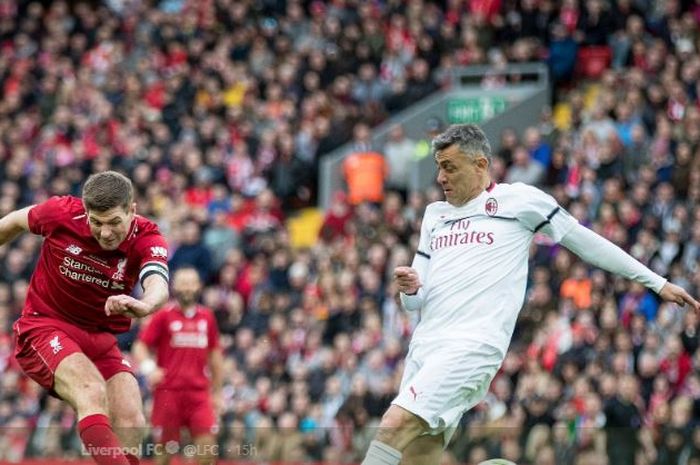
[[468, 279]]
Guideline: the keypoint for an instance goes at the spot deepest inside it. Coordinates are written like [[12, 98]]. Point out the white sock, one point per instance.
[[381, 454]]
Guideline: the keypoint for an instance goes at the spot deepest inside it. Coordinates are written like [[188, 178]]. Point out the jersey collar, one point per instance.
[[190, 313], [133, 229]]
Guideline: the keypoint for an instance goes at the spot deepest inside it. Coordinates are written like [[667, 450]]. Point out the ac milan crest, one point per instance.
[[491, 206]]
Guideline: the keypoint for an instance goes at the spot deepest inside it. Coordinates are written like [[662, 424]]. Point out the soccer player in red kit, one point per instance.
[[185, 339], [95, 249]]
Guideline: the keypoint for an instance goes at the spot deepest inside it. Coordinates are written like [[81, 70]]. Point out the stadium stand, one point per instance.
[[220, 110]]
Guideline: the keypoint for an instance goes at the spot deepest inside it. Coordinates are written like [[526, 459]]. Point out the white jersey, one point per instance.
[[473, 260]]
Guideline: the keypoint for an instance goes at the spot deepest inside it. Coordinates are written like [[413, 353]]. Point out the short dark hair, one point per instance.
[[469, 137], [187, 267], [106, 190]]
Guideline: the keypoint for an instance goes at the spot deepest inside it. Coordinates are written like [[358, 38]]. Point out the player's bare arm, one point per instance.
[[407, 279], [155, 294], [216, 366], [13, 224]]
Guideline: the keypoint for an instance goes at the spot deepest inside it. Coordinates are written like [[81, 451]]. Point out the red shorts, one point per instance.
[[178, 408], [41, 343]]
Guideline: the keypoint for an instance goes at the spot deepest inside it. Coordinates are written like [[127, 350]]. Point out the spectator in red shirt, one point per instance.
[[677, 363], [335, 224]]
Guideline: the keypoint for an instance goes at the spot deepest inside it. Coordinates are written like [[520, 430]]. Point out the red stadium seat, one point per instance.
[[592, 61]]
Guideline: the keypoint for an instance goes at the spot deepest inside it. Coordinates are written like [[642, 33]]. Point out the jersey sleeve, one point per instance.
[[539, 212], [152, 254], [151, 334], [213, 330], [44, 217], [420, 263], [424, 240]]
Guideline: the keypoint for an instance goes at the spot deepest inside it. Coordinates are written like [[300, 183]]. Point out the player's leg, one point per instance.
[[124, 404], [166, 423], [50, 353], [398, 427], [80, 384], [207, 449], [126, 409], [438, 385], [204, 426], [424, 450]]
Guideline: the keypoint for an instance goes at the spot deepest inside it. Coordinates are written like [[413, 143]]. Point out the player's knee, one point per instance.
[[91, 394], [396, 418], [398, 427], [130, 418]]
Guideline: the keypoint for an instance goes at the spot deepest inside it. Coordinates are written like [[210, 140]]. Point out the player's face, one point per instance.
[[461, 176], [110, 227], [186, 286]]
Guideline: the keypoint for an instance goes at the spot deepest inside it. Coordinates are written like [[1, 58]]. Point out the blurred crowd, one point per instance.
[[219, 111]]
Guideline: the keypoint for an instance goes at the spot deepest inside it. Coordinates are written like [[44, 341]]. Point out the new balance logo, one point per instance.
[[126, 363], [55, 345], [74, 249], [161, 252]]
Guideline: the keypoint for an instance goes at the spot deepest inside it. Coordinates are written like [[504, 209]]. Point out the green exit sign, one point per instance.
[[474, 110]]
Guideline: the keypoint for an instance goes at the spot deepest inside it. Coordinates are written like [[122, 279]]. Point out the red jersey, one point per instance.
[[182, 342], [74, 275]]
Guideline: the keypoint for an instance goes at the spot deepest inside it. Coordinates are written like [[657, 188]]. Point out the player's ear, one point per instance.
[[132, 210], [482, 163]]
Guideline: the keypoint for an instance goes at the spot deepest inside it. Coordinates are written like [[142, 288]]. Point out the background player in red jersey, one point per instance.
[[94, 251], [185, 338]]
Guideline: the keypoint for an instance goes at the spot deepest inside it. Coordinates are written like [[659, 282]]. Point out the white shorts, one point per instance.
[[442, 381]]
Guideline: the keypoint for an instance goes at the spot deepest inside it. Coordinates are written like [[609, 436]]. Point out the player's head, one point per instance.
[[186, 286], [108, 198], [463, 156]]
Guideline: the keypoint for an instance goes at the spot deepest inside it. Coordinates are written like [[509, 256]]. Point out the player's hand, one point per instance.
[[217, 400], [155, 377], [126, 305], [673, 293], [407, 279]]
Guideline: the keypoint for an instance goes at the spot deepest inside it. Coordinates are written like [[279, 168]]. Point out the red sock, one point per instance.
[[100, 441]]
